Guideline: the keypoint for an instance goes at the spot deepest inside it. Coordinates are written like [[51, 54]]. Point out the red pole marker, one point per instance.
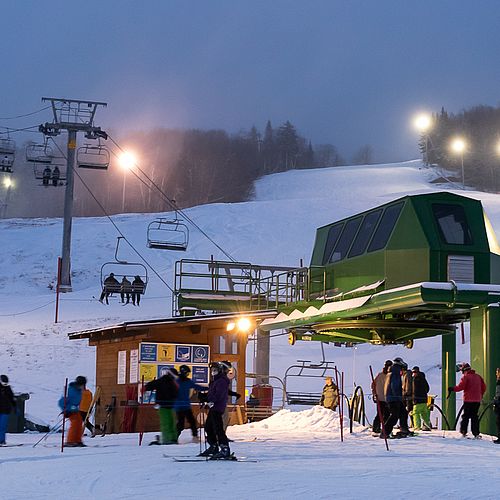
[[64, 413]]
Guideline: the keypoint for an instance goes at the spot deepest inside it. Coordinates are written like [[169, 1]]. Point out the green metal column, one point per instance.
[[448, 376], [485, 356]]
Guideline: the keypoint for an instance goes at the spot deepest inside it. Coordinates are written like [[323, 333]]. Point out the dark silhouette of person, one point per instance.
[[138, 287], [111, 285], [125, 290], [56, 174], [47, 174]]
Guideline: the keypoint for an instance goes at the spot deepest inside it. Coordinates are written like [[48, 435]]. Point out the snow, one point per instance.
[[300, 453]]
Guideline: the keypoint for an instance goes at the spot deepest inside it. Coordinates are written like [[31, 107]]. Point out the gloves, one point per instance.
[[450, 389]]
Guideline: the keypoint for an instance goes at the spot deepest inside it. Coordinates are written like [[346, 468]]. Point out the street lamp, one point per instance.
[[458, 146], [127, 160], [423, 123], [7, 183]]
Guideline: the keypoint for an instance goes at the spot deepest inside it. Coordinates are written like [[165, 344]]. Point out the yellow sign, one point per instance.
[[72, 144], [166, 353], [148, 371]]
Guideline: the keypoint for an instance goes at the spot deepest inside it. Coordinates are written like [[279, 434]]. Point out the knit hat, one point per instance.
[[4, 380]]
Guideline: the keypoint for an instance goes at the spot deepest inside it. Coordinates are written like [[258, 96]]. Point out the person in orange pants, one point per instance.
[[70, 405]]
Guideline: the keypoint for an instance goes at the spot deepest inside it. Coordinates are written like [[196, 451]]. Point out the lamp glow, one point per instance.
[[7, 182], [127, 160], [458, 145], [423, 122], [244, 324], [230, 326]]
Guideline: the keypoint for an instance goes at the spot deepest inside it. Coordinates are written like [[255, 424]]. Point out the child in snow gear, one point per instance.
[[421, 413], [71, 405], [110, 286], [378, 386], [474, 387], [182, 404], [7, 404], [330, 395], [85, 403], [496, 406], [217, 401], [166, 393]]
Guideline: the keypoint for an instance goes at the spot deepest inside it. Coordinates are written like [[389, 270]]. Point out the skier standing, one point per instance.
[[378, 386], [182, 404], [7, 403], [85, 403], [496, 406], [166, 393], [330, 395], [217, 401], [394, 398], [421, 413], [71, 406], [474, 387]]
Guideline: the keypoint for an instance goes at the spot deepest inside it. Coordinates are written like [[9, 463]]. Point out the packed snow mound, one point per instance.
[[316, 419]]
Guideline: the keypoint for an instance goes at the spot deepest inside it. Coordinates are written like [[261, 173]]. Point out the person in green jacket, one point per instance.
[[330, 395]]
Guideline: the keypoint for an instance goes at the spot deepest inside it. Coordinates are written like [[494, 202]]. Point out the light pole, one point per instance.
[[127, 161], [458, 146], [423, 123], [8, 184]]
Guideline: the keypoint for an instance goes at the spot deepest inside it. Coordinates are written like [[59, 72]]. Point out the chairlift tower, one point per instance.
[[73, 116]]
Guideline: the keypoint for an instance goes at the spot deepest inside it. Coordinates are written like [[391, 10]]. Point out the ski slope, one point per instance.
[[276, 227]]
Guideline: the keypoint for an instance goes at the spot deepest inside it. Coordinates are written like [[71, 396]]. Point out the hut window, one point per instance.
[[452, 223], [384, 229], [333, 236], [365, 233], [345, 239]]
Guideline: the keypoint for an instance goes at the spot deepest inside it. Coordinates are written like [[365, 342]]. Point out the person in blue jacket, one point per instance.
[[7, 404], [394, 398], [70, 405], [218, 394], [182, 404]]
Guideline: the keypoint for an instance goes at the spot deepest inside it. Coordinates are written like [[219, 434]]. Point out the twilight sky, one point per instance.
[[349, 72]]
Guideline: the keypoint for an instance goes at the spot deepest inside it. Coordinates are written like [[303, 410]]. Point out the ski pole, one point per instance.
[[379, 410], [47, 434], [140, 413], [64, 413]]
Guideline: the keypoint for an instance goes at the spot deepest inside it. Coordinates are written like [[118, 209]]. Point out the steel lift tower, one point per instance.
[[73, 116]]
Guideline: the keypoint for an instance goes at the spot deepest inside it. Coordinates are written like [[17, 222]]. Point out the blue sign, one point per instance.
[[183, 353], [200, 354], [148, 352], [162, 369], [200, 374]]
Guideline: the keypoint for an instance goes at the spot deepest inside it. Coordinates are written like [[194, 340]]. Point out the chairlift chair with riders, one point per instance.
[[168, 234], [93, 157], [7, 155], [46, 172], [123, 269]]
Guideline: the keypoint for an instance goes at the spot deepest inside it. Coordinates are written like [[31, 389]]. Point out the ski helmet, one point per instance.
[[465, 367], [4, 380], [81, 380], [184, 370]]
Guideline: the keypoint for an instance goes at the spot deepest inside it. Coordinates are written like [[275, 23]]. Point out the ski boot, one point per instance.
[[497, 441], [157, 441], [210, 451], [223, 454]]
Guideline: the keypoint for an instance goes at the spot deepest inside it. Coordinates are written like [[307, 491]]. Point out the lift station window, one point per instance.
[[333, 236], [365, 233], [345, 240], [452, 223], [384, 229]]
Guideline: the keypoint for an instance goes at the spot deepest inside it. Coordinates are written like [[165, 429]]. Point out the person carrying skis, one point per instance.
[[420, 389], [182, 404], [70, 405], [166, 393], [474, 387], [496, 406], [330, 395], [7, 404], [85, 403], [378, 392], [217, 401]]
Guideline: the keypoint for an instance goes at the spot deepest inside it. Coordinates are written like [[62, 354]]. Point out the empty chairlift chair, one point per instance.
[[167, 234], [93, 157]]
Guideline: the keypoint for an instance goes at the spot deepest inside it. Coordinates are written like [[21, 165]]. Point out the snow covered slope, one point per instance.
[[276, 227]]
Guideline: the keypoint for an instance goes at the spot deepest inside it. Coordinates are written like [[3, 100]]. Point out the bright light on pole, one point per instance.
[[7, 182], [127, 160], [423, 122], [498, 148], [458, 146]]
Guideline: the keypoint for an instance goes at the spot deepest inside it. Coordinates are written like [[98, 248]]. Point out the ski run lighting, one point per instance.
[[242, 325], [127, 160], [423, 122], [458, 145], [7, 182]]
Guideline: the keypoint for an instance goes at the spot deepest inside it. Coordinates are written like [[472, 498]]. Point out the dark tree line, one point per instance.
[[192, 167], [479, 127]]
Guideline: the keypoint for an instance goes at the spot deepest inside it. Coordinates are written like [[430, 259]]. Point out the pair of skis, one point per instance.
[[191, 459]]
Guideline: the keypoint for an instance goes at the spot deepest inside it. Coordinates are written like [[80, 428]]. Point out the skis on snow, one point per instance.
[[231, 458]]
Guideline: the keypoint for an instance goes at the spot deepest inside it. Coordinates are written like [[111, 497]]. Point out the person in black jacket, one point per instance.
[[421, 413], [166, 393], [7, 404]]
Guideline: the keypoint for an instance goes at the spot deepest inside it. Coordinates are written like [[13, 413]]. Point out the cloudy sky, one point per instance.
[[349, 72]]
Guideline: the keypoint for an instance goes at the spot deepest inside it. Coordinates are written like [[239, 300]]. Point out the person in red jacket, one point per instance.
[[474, 387]]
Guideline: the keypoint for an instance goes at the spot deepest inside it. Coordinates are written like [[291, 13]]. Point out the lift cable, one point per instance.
[[9, 130], [114, 224], [171, 202], [27, 114]]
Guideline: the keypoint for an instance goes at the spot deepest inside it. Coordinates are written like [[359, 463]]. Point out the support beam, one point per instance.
[[262, 355], [485, 357], [448, 376]]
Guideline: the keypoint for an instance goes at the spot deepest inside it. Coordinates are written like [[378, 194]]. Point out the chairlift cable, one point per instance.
[[9, 130], [114, 224], [172, 203], [26, 114], [29, 310]]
